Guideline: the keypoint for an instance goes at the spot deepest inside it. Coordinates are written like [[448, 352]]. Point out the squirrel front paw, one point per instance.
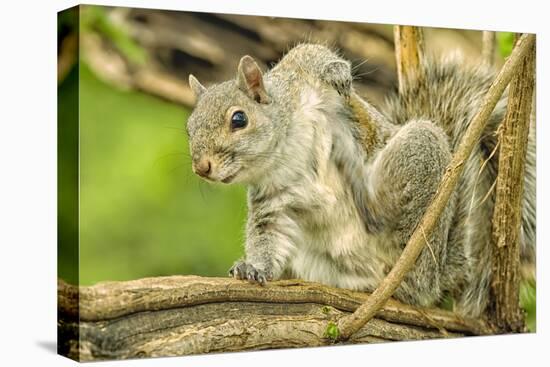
[[246, 271], [338, 75]]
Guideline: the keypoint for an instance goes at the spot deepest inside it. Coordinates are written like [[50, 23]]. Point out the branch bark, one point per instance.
[[350, 324], [508, 203], [409, 54], [179, 315]]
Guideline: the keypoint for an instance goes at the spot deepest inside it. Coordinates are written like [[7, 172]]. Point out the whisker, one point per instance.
[[175, 128], [280, 160], [355, 67], [185, 154], [199, 183], [358, 76]]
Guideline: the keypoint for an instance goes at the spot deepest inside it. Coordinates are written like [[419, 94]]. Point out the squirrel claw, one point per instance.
[[244, 271]]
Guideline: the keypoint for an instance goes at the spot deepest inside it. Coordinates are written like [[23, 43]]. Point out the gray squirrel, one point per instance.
[[334, 194]]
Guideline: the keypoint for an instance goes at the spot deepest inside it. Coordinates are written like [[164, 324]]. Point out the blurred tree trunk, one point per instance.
[[210, 46]]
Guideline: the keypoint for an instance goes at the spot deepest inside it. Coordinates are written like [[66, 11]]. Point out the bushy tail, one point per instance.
[[450, 96]]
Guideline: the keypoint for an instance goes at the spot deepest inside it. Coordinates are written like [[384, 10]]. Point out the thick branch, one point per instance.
[[488, 42], [113, 68], [508, 203], [350, 324], [188, 315], [409, 54]]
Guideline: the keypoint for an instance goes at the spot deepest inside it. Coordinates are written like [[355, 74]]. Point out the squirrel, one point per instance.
[[336, 186]]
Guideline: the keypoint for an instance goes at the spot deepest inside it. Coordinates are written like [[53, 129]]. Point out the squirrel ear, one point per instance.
[[196, 86], [250, 80]]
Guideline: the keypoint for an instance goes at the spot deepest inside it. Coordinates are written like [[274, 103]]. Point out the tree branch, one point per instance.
[[409, 54], [188, 315], [348, 325], [508, 203]]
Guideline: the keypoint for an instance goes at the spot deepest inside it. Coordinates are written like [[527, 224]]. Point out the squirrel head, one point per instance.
[[231, 133]]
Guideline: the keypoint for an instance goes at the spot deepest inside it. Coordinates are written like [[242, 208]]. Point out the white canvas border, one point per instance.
[[28, 181]]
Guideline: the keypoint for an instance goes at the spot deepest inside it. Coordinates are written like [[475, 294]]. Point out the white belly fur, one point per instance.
[[334, 247]]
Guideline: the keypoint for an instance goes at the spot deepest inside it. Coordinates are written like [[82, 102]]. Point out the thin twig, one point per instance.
[[430, 247], [483, 165], [409, 54], [350, 324], [488, 41]]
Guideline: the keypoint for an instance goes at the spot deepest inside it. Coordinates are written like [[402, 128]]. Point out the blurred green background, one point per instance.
[[142, 210]]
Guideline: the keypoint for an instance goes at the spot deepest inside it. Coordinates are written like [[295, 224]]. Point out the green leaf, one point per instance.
[[332, 332], [505, 41]]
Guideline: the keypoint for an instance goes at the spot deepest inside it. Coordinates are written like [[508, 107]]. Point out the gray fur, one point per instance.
[[451, 96], [324, 207]]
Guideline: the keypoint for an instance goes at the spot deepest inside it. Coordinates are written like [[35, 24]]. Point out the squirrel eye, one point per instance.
[[238, 120]]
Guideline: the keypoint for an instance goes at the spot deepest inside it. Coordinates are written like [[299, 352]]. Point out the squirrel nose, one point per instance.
[[203, 167]]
